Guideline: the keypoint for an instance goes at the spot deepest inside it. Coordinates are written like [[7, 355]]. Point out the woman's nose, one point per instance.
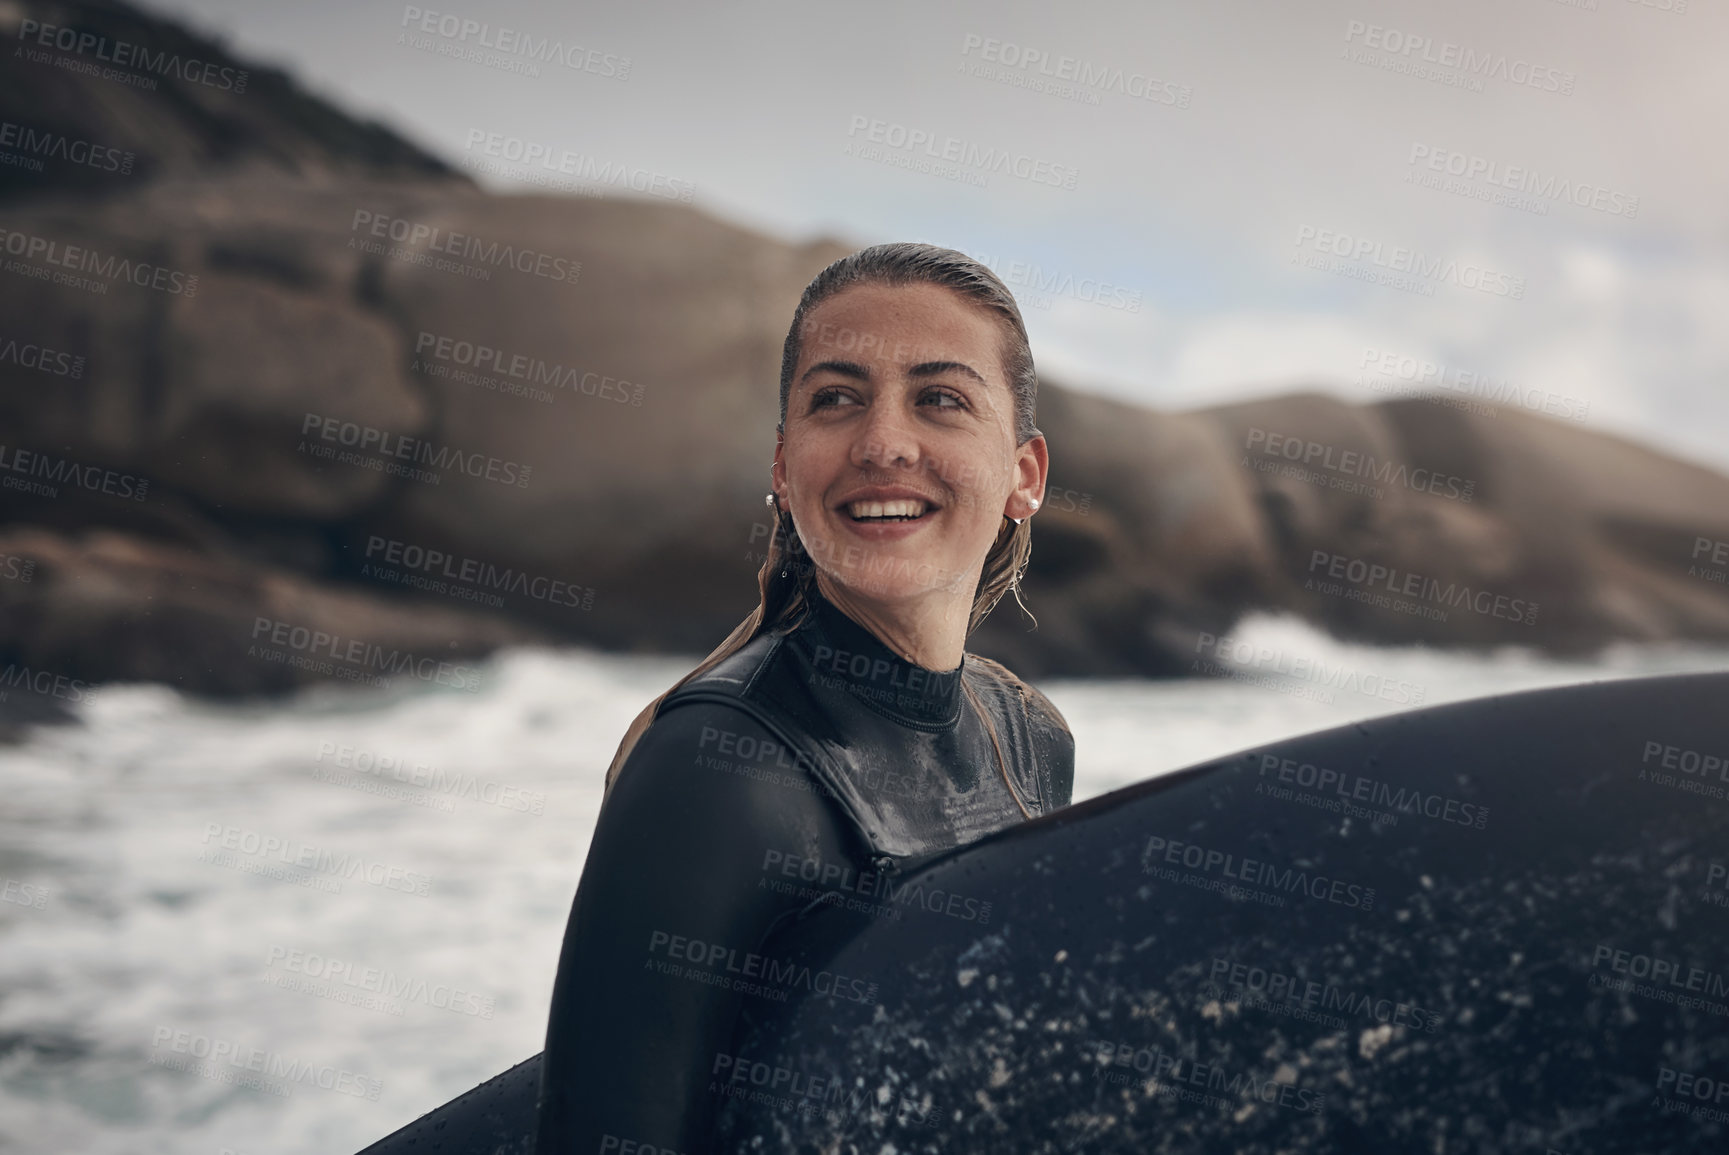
[[886, 439]]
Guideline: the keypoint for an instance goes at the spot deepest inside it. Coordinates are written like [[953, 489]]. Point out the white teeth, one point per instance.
[[900, 507]]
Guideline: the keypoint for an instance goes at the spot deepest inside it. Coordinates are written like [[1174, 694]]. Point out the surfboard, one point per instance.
[[1497, 925], [495, 1118]]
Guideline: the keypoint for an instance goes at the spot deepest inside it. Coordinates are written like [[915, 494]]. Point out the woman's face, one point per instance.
[[899, 460]]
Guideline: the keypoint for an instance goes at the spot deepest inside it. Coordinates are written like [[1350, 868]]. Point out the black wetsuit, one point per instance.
[[808, 767]]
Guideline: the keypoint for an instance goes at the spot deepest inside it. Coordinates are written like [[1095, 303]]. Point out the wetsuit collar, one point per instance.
[[845, 655]]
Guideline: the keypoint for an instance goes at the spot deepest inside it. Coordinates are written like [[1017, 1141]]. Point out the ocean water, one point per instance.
[[291, 928]]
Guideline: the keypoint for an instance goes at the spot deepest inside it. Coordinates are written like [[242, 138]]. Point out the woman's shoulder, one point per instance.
[[695, 727], [734, 676], [724, 757], [1040, 709], [733, 717], [1046, 728]]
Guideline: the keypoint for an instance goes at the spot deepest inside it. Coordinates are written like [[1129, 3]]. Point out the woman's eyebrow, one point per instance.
[[933, 368], [844, 368]]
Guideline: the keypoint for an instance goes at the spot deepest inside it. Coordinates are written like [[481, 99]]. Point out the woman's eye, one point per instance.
[[833, 397], [826, 398]]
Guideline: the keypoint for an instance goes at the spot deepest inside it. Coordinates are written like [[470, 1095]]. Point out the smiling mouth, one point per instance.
[[901, 509]]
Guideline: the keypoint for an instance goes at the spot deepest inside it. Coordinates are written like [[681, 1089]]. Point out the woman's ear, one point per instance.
[[1031, 467], [777, 470]]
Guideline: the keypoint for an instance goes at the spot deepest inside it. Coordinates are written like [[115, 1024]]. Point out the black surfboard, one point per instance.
[[1498, 925]]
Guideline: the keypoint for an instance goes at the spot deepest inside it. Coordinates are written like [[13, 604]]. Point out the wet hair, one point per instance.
[[787, 579]]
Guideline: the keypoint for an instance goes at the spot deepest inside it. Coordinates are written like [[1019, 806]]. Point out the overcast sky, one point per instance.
[[1276, 136]]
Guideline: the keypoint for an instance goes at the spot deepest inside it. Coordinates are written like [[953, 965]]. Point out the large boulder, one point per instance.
[[85, 608], [1413, 521]]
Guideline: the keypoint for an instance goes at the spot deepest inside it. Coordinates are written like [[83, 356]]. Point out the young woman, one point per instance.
[[841, 732]]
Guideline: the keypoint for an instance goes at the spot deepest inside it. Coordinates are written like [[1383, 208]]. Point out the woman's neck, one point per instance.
[[930, 631]]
